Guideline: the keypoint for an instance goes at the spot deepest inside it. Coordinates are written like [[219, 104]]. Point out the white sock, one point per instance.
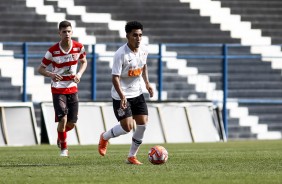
[[136, 140], [114, 132]]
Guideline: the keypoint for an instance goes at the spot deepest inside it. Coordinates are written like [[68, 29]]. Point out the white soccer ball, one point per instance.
[[158, 155]]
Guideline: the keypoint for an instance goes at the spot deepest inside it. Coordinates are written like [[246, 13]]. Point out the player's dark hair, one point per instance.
[[64, 24], [133, 25]]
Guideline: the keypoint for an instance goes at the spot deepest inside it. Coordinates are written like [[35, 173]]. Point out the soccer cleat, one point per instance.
[[58, 143], [64, 153], [102, 148], [133, 160]]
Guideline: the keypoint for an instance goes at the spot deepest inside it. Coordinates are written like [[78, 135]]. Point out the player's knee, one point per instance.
[[62, 119], [127, 128], [127, 124]]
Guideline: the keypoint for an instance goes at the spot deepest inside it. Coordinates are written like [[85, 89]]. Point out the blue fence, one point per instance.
[[223, 54]]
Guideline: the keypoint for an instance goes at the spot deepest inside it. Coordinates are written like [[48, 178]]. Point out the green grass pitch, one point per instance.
[[250, 162]]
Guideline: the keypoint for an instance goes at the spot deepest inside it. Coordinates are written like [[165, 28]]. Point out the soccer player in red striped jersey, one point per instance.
[[64, 57]]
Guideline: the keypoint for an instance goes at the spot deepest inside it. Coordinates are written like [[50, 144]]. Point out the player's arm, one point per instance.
[[82, 68], [42, 70], [146, 80], [116, 84]]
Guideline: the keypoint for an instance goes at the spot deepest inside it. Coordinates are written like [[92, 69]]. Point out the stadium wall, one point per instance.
[[171, 122]]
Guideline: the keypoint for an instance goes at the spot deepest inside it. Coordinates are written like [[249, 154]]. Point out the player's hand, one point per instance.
[[123, 103], [150, 90], [76, 78], [56, 77]]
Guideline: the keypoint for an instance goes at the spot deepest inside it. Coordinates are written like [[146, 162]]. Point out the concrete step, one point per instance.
[[255, 94]]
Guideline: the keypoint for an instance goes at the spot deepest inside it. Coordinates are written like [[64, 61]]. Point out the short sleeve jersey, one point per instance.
[[129, 67], [64, 64]]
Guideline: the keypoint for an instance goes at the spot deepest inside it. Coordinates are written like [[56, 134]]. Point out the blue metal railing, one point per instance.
[[94, 78], [224, 56], [160, 73], [225, 88], [25, 62]]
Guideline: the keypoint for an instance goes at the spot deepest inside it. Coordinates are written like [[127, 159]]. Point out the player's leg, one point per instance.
[[125, 126], [72, 105], [60, 107], [68, 127], [71, 118], [138, 134], [62, 136], [137, 138], [114, 132], [140, 115], [120, 129]]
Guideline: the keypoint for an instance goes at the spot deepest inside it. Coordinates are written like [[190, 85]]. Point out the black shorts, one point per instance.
[[65, 104], [135, 106]]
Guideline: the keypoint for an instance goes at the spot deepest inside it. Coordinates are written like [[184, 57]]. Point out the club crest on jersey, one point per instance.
[[144, 56], [75, 56]]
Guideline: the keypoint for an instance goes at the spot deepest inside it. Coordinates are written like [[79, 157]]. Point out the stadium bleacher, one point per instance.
[[165, 21], [264, 15]]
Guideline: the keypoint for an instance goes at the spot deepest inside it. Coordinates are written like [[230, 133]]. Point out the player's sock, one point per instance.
[[136, 140], [62, 137], [114, 132], [58, 140]]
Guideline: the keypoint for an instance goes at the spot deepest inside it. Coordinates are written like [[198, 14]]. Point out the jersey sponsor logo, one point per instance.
[[56, 52], [62, 59], [76, 49], [68, 58], [134, 72]]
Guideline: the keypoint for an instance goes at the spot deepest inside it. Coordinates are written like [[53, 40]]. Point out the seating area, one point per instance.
[[264, 15], [165, 21]]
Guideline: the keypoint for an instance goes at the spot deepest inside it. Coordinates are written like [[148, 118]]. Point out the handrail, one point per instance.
[[225, 88]]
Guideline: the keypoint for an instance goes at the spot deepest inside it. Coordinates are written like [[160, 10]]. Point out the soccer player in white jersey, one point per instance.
[[129, 68], [64, 57]]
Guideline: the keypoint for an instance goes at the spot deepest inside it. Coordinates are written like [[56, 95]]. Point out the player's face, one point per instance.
[[134, 38], [65, 33]]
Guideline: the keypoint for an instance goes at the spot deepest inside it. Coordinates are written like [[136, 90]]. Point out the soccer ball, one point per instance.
[[158, 155]]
